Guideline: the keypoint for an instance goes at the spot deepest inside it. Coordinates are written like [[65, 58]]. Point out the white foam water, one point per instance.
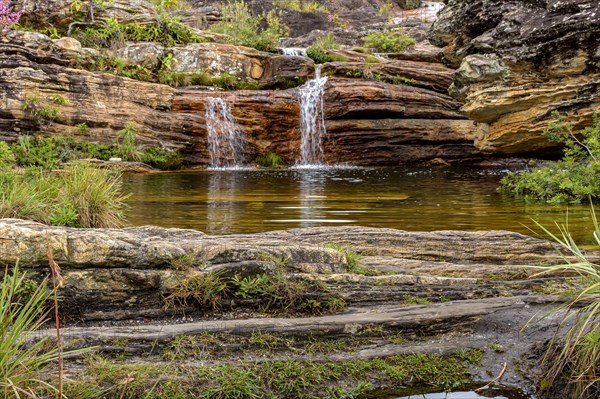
[[312, 121], [226, 140]]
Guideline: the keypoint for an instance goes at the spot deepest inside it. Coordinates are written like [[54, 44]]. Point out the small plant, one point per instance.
[[414, 300], [318, 51], [371, 59], [206, 289], [388, 41], [496, 347], [352, 258], [269, 160], [126, 146], [82, 128]]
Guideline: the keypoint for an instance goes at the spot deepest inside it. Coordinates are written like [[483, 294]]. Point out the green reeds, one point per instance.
[[574, 351]]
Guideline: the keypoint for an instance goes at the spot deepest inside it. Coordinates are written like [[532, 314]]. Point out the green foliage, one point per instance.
[[44, 109], [167, 30], [371, 59], [162, 159], [326, 42], [261, 32], [388, 41], [81, 195], [269, 160], [22, 364], [573, 179], [574, 351], [318, 56]]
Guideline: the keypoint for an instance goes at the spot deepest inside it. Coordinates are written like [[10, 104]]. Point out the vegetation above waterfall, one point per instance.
[[574, 179]]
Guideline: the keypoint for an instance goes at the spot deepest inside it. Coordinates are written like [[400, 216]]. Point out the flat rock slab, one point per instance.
[[437, 318]]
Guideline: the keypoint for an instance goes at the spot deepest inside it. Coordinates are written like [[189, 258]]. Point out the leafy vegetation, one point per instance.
[[388, 41], [574, 351], [261, 32], [574, 179]]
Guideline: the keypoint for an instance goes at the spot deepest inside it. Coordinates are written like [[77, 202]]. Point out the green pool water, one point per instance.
[[247, 201]]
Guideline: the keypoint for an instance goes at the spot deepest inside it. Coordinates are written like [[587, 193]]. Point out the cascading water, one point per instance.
[[312, 121], [226, 141], [294, 51]]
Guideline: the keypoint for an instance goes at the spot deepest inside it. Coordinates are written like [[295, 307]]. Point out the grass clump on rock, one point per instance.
[[81, 195], [574, 351], [574, 179]]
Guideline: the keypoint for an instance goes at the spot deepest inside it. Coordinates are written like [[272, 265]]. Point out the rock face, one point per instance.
[[518, 62], [369, 122]]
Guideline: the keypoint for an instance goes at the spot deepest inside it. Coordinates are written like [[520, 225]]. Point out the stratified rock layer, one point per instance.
[[518, 62], [370, 122]]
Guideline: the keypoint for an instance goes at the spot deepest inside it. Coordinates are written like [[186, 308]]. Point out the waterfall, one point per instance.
[[312, 121], [294, 51], [226, 141]]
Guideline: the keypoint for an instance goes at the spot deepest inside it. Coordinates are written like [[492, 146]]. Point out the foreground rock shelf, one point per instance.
[[429, 293]]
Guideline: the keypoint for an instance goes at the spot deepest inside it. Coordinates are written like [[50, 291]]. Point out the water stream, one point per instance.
[[312, 121], [226, 140]]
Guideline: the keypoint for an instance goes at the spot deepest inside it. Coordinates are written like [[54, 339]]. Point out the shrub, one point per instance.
[[573, 179], [388, 41], [261, 32], [576, 353], [205, 289]]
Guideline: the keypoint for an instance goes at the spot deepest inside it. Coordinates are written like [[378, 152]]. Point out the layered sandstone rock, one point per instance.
[[369, 122], [518, 62], [128, 272]]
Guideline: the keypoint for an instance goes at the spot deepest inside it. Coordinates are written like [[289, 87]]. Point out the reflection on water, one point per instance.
[[244, 201], [451, 395]]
